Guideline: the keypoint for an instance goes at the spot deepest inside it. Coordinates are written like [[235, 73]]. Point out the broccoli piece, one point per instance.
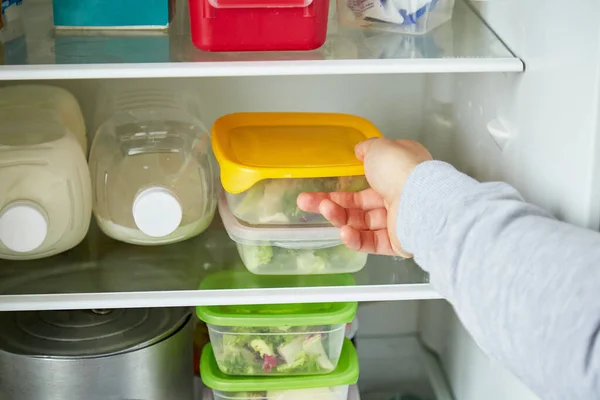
[[338, 255], [255, 256], [309, 262]]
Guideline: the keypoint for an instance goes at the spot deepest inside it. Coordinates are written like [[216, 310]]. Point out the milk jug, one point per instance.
[[153, 173], [45, 189]]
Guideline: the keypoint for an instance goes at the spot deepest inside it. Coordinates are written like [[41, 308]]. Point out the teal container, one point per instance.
[[100, 14]]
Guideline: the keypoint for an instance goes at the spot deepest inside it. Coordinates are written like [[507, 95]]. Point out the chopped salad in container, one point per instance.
[[268, 159], [280, 339], [333, 386], [281, 250]]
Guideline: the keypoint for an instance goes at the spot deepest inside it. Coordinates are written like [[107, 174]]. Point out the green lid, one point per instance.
[[245, 280], [302, 314], [346, 373]]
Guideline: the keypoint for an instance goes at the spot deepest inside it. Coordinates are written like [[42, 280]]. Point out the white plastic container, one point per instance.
[[45, 191], [277, 340], [290, 250], [152, 169], [414, 17]]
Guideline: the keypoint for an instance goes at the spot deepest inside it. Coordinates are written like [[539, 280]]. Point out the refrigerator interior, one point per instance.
[[536, 130], [455, 116]]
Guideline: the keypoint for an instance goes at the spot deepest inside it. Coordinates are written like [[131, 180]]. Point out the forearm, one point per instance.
[[525, 285]]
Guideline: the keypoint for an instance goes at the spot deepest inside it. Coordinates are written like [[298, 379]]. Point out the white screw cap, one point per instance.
[[23, 226], [157, 212]]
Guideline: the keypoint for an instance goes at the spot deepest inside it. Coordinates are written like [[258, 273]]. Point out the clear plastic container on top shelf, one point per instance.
[[45, 191], [333, 386], [267, 159], [414, 17], [277, 339], [290, 250], [151, 166]]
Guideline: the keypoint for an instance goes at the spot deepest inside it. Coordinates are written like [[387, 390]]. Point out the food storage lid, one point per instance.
[[305, 314], [251, 147], [157, 212], [289, 237], [87, 333], [23, 226], [346, 373], [242, 279], [259, 3]]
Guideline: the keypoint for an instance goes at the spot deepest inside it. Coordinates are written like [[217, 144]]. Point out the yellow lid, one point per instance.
[[251, 147]]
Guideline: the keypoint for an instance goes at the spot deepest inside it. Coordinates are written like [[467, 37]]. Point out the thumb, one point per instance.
[[361, 149]]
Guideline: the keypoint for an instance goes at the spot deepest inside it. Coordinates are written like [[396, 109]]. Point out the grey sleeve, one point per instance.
[[526, 286]]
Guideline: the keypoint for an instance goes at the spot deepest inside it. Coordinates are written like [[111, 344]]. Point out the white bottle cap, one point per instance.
[[23, 226], [157, 212]]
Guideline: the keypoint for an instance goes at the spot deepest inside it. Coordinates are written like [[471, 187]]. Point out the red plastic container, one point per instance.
[[258, 25]]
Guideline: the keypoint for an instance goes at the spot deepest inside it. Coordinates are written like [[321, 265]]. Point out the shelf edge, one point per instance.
[[188, 298], [258, 68]]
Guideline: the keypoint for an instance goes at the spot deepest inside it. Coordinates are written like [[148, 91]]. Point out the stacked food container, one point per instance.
[[292, 351], [267, 160]]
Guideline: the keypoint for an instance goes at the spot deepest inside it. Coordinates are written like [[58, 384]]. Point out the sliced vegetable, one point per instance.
[[265, 350]]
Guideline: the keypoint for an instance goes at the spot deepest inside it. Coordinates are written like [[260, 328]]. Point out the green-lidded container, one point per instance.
[[332, 386], [242, 279], [278, 339]]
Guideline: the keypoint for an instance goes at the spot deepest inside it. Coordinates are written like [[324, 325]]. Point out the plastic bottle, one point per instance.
[[45, 190], [152, 169]]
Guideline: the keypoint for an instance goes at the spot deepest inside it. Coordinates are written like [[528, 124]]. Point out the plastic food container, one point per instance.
[[152, 169], [267, 159], [242, 279], [415, 17], [333, 386], [92, 14], [279, 339], [258, 25], [290, 250]]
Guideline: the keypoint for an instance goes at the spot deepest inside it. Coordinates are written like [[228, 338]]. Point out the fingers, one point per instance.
[[355, 218], [365, 200], [373, 242]]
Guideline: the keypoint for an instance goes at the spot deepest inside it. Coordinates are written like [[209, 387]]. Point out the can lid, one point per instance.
[[157, 212], [87, 333], [23, 226], [346, 373], [251, 147]]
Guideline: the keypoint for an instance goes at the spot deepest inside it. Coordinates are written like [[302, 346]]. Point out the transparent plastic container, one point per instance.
[[152, 169], [273, 201], [267, 159], [45, 191], [280, 339], [290, 250], [332, 386], [415, 17]]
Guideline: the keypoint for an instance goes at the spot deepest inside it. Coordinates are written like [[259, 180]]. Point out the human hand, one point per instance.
[[367, 219]]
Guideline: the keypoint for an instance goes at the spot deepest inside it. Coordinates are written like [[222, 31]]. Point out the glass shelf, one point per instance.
[[465, 44], [103, 273]]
